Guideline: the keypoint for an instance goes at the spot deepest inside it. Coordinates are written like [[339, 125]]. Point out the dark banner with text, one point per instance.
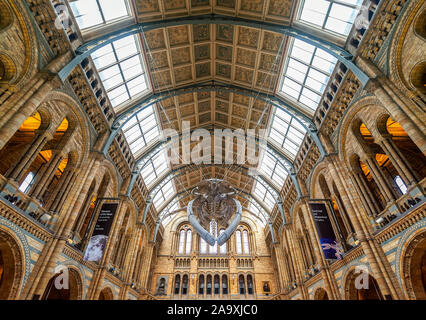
[[329, 245], [97, 243]]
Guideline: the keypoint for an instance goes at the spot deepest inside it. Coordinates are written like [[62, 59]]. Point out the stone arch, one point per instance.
[[371, 291], [418, 76], [413, 265], [345, 128], [77, 120], [11, 266], [420, 25], [320, 294], [6, 16], [407, 26], [106, 294], [14, 13], [8, 71], [74, 291]]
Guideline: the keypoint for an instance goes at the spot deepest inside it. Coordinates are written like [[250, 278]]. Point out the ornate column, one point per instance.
[[380, 178], [398, 160], [364, 193], [29, 155], [374, 253], [58, 197], [146, 264], [45, 175]]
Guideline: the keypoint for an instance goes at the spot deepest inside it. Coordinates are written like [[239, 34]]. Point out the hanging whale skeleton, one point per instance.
[[214, 201]]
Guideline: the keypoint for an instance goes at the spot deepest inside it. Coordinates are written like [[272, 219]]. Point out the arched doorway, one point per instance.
[[70, 292], [414, 268], [365, 288], [321, 294], [106, 294], [11, 264]]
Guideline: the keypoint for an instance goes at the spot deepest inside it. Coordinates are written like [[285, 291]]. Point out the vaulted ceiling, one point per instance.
[[249, 57]]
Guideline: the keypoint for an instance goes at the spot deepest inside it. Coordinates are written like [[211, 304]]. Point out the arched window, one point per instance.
[[223, 247], [401, 185], [185, 237], [246, 242], [201, 284], [181, 241], [216, 284], [26, 184], [177, 284], [224, 284], [238, 242], [242, 285], [209, 284], [188, 241], [185, 284], [203, 246], [250, 284]]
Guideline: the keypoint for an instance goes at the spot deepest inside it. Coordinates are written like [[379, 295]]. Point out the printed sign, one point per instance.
[[329, 245], [97, 243]]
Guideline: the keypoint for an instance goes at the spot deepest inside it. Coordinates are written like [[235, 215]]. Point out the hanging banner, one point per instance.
[[97, 243], [329, 245]]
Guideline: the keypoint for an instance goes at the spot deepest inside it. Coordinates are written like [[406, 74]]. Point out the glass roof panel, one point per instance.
[[287, 133], [163, 195], [307, 73], [121, 70], [336, 16], [90, 13]]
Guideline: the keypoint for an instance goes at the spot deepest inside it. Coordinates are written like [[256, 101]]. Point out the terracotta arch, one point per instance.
[[351, 292], [320, 294], [413, 266], [11, 266], [106, 294], [74, 291], [6, 16]]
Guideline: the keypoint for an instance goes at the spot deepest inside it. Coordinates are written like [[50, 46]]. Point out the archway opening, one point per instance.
[[365, 289], [321, 294], [10, 267], [12, 151], [58, 289], [406, 147], [415, 259], [106, 294]]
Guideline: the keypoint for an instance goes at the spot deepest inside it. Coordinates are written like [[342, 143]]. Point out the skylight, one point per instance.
[[164, 194], [121, 70], [263, 195], [257, 212], [287, 133], [90, 13], [167, 212], [333, 15], [155, 168], [273, 170], [141, 130], [307, 73]]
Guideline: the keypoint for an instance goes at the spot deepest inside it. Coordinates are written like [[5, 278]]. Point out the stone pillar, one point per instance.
[[399, 115], [15, 122], [29, 155], [58, 197], [398, 160], [146, 264], [45, 175], [380, 178], [365, 194], [374, 253]]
